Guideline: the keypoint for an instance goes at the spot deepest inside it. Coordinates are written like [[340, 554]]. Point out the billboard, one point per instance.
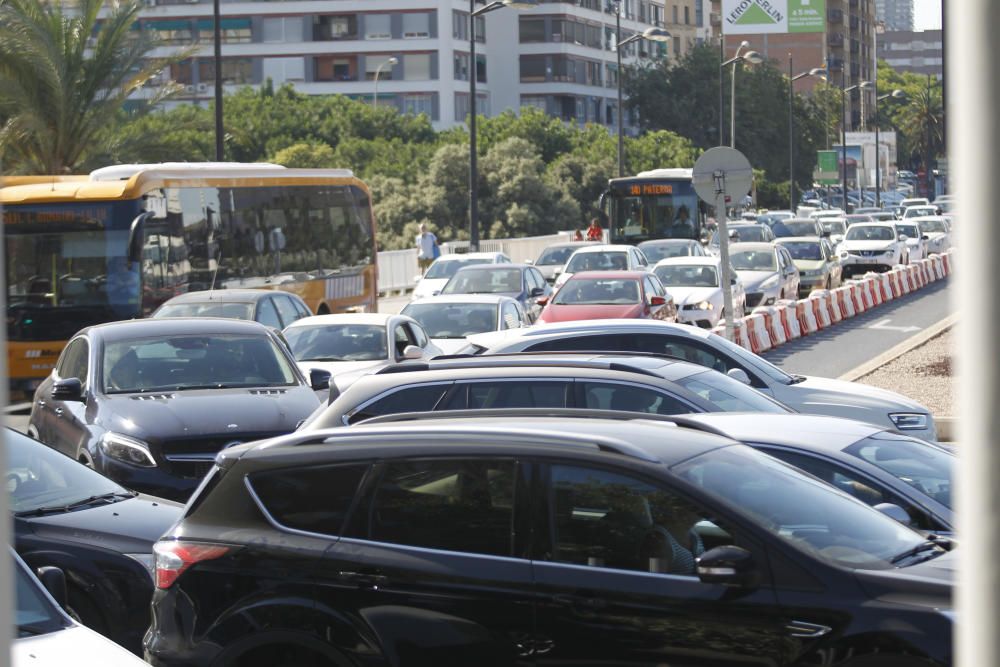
[[827, 172], [763, 17]]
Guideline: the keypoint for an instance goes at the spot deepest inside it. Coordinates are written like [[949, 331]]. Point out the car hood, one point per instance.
[[203, 412], [428, 286], [549, 270], [686, 295], [450, 345], [927, 584], [338, 368], [809, 264], [74, 645], [866, 245], [818, 395], [753, 279], [567, 313], [127, 526]]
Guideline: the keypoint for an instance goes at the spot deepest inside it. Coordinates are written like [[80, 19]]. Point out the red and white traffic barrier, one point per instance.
[[831, 305], [845, 303], [820, 309], [885, 286], [760, 340], [773, 324], [806, 317], [789, 319]]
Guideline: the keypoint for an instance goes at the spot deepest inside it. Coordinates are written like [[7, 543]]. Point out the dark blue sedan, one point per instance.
[[521, 282]]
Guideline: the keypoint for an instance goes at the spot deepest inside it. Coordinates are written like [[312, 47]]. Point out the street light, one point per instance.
[[651, 34], [817, 72], [750, 57], [844, 89], [897, 94], [391, 62], [473, 167]]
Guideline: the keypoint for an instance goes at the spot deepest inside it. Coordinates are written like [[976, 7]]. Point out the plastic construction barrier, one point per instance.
[[885, 286], [772, 322], [806, 317], [872, 289], [789, 319], [857, 296], [845, 303], [820, 310], [904, 279], [946, 261], [760, 340], [831, 306], [897, 290]]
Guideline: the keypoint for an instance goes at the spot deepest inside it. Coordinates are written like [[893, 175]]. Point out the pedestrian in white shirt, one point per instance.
[[427, 248]]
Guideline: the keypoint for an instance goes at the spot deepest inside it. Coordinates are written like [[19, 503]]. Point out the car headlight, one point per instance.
[[844, 254], [889, 252], [705, 305], [909, 421], [129, 450], [769, 283]]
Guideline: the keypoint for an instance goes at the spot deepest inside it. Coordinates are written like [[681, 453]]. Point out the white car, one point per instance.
[[603, 258], [46, 636], [871, 246], [919, 211], [349, 345], [693, 282], [810, 395], [445, 266], [767, 271], [827, 213], [937, 229], [552, 260], [916, 240], [914, 201], [449, 318]]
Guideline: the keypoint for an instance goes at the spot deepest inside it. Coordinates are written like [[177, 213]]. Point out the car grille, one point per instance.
[[869, 253], [753, 299], [190, 468], [201, 446]]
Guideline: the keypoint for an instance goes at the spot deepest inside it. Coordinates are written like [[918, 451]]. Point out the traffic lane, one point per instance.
[[392, 304], [850, 343]]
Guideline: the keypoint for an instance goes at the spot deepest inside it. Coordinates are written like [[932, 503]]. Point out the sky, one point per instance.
[[926, 14]]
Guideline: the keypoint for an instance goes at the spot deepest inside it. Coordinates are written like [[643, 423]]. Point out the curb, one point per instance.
[[899, 350]]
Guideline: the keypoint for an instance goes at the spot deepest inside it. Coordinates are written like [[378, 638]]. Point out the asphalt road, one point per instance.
[[845, 346]]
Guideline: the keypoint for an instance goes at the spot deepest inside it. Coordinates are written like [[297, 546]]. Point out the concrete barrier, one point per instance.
[[844, 302], [820, 310]]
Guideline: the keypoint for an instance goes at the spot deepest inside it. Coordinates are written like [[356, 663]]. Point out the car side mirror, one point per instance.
[[54, 581], [542, 301], [436, 292], [69, 389], [529, 261], [319, 379], [732, 280], [657, 301], [728, 565], [925, 237], [904, 238], [895, 512], [826, 233], [412, 352], [739, 375], [537, 291]]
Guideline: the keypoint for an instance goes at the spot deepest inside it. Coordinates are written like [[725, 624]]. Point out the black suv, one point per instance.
[[538, 540]]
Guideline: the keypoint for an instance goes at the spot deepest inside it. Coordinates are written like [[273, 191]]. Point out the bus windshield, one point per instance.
[[640, 210], [66, 268]]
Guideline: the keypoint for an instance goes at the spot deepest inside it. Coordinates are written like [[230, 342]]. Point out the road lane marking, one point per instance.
[[883, 325]]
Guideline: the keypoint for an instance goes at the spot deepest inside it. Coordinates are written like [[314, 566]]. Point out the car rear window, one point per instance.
[[316, 500]]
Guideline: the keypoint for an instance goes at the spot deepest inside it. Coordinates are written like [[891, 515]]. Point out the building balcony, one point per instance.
[[835, 15], [835, 39]]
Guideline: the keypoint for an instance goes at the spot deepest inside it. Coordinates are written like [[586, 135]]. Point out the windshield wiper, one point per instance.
[[51, 509], [30, 629], [926, 545], [323, 359]]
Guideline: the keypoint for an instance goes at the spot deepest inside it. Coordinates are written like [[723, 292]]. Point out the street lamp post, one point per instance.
[[391, 62], [792, 78], [653, 35], [217, 60], [844, 90], [473, 166], [897, 94], [751, 57]]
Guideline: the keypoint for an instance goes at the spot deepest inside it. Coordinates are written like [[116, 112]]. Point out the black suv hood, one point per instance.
[[929, 583], [127, 526], [184, 414]]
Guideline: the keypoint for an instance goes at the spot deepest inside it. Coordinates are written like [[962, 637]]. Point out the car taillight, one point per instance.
[[173, 557]]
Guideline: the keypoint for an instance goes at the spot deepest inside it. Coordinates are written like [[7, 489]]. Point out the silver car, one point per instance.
[[767, 270]]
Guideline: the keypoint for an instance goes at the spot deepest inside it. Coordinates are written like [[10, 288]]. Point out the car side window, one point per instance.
[[681, 349], [300, 307], [654, 287], [539, 279], [419, 398], [600, 518], [495, 394], [75, 361], [603, 342], [449, 504], [629, 398], [402, 337], [285, 308], [267, 315], [311, 499], [866, 490], [509, 319]]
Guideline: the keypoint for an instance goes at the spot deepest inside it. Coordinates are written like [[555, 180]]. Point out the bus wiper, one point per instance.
[[926, 545]]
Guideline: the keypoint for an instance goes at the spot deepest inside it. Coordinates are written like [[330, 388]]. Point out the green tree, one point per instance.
[[306, 155], [64, 79]]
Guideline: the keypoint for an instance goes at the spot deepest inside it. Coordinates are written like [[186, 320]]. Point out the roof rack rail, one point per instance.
[[503, 359]]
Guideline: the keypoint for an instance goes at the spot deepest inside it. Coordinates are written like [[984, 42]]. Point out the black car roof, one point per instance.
[[221, 295], [173, 326]]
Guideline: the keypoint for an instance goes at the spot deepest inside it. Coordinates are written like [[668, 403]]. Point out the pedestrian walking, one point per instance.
[[427, 248], [594, 232]]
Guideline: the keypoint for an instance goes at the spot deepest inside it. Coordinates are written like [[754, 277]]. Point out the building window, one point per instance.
[[687, 15], [533, 101], [280, 70], [172, 32], [460, 27], [417, 67], [182, 72], [481, 68], [334, 27], [533, 69], [418, 103], [234, 71], [336, 68], [461, 67], [674, 14], [416, 25], [288, 29], [532, 30], [378, 26], [234, 31], [372, 61]]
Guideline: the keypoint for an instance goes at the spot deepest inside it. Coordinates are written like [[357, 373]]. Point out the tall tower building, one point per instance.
[[897, 15]]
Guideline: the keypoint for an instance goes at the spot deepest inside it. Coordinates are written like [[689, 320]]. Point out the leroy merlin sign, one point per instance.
[[758, 17]]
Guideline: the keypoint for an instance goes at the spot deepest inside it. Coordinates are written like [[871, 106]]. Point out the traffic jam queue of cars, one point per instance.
[[508, 472]]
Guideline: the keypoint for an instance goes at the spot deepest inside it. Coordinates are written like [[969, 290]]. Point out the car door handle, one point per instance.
[[580, 601], [363, 579]]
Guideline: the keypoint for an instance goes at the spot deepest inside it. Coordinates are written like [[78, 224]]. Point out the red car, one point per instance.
[[602, 295]]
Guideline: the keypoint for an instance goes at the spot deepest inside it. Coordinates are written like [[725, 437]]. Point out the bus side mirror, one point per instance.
[[135, 236]]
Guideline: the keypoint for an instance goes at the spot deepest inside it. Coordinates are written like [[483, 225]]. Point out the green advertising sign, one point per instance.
[[806, 15], [827, 167]]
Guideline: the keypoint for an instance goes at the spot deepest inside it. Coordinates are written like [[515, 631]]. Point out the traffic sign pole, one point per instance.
[[724, 277]]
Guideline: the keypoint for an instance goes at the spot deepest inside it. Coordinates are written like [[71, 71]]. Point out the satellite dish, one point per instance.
[[722, 170]]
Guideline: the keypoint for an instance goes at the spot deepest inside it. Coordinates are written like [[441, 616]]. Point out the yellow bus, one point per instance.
[[115, 244]]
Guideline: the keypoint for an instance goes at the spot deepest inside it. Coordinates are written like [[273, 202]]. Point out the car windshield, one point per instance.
[[834, 226], [656, 251], [917, 211], [868, 233], [39, 476], [443, 269], [486, 280], [800, 510], [926, 468], [597, 261], [729, 395], [194, 361], [338, 342], [800, 228], [35, 613], [598, 291], [933, 226], [687, 275], [555, 255], [751, 360], [908, 230], [807, 250], [745, 233], [453, 320], [753, 260], [231, 310]]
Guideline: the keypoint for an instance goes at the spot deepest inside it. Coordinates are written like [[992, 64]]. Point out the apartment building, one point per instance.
[[414, 54], [894, 14], [920, 52]]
